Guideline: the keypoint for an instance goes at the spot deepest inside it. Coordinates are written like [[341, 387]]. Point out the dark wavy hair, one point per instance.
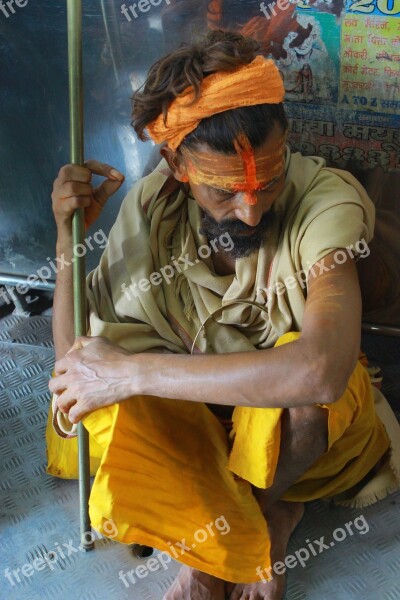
[[188, 66]]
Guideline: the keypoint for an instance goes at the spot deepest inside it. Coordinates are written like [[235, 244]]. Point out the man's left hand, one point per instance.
[[94, 373]]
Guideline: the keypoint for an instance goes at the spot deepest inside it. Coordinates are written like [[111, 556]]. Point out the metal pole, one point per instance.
[[389, 330], [74, 16]]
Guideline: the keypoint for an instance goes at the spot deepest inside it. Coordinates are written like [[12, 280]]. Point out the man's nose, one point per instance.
[[251, 214]]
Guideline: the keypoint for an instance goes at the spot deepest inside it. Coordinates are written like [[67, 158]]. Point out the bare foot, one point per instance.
[[282, 518], [195, 585]]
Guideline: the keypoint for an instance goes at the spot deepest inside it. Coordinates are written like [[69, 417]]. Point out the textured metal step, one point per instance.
[[33, 331]]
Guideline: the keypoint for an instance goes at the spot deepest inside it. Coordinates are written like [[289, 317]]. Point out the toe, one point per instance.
[[236, 593], [229, 587]]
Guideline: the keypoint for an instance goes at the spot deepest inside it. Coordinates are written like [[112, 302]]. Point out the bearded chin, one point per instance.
[[243, 246]]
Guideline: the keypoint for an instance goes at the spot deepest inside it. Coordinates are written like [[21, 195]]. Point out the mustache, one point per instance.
[[243, 245], [236, 226]]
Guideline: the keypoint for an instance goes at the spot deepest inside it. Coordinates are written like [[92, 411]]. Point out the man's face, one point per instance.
[[235, 193]]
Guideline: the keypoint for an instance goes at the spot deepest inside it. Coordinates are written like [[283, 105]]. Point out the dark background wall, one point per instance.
[[340, 62]]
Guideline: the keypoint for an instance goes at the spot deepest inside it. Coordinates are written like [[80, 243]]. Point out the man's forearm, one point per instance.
[[285, 376]]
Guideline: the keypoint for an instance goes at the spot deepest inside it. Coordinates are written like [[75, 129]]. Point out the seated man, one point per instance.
[[223, 384]]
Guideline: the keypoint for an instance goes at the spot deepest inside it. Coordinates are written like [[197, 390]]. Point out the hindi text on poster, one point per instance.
[[370, 67]]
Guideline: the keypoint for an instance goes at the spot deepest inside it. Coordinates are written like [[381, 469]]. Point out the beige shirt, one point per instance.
[[138, 303]]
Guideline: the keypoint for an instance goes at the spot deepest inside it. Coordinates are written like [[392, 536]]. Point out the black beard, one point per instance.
[[243, 246]]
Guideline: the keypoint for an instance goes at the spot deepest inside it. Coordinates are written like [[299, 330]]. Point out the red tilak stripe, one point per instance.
[[245, 151]]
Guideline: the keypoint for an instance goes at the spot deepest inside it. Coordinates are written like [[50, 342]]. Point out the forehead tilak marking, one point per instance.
[[246, 153], [240, 177]]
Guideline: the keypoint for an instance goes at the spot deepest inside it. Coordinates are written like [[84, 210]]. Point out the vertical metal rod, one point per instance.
[[74, 18]]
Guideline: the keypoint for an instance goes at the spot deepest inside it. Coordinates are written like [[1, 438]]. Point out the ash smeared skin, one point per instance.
[[324, 297]]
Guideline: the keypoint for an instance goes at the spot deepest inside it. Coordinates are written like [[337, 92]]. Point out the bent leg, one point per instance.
[[304, 439]]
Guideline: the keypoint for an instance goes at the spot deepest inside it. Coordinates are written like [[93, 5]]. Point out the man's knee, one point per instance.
[[309, 422]]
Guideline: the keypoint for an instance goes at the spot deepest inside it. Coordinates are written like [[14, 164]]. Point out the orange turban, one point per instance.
[[258, 82]]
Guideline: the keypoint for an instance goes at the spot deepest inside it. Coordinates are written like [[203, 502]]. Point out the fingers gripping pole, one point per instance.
[[74, 16]]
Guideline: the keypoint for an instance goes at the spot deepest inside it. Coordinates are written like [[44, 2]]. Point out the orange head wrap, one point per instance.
[[258, 82]]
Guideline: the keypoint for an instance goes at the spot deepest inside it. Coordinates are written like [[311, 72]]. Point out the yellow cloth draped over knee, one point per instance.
[[166, 471]]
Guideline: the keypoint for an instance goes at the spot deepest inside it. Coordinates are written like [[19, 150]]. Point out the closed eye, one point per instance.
[[223, 194], [270, 184], [221, 191]]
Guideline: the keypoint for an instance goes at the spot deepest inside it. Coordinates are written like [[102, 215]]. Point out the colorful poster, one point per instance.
[[340, 62], [311, 69], [383, 8], [370, 66]]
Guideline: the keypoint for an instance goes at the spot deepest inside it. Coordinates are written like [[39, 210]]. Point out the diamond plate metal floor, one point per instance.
[[39, 514]]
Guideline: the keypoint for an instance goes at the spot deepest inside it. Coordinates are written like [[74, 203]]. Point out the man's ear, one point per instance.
[[175, 163]]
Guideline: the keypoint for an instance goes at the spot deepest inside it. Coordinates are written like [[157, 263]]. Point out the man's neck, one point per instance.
[[223, 264]]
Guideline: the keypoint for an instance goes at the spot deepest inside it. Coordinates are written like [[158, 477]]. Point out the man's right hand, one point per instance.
[[73, 189]]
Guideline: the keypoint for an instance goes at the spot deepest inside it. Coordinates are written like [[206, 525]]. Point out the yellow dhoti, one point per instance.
[[166, 473]]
